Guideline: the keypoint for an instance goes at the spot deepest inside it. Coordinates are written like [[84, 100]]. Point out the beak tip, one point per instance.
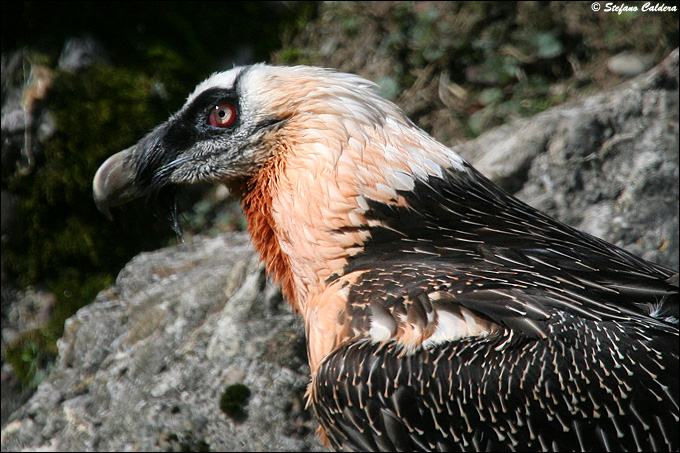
[[100, 191], [113, 184], [105, 210]]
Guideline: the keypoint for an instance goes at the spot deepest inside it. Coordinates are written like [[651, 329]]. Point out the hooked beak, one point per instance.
[[114, 182]]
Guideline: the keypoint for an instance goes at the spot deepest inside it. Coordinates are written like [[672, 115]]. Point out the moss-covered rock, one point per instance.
[[31, 356], [233, 401]]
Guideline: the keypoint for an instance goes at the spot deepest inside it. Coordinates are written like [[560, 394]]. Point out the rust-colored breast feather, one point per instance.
[[256, 200]]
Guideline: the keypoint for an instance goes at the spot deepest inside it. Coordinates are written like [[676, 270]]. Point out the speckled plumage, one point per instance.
[[440, 312], [571, 359], [499, 393]]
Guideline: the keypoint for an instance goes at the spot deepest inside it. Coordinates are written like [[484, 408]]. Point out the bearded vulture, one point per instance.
[[440, 312]]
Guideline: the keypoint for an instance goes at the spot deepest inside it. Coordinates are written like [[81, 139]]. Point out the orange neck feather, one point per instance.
[[256, 200]]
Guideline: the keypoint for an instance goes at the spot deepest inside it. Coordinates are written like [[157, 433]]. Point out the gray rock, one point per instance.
[[144, 366], [629, 64], [25, 123], [79, 53], [607, 164]]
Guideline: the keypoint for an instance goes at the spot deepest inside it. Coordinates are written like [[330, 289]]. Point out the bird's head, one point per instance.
[[232, 126], [308, 150], [216, 136]]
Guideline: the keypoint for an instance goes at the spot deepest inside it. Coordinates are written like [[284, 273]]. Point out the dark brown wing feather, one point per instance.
[[585, 356], [590, 387]]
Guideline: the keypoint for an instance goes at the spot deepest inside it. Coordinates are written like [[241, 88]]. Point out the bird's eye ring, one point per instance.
[[222, 115]]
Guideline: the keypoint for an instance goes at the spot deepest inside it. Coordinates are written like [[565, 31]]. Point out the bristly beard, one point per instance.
[[166, 199]]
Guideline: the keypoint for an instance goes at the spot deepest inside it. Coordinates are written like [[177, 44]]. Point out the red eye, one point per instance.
[[222, 115]]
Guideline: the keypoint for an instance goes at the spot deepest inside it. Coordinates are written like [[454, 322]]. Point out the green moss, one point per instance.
[[31, 356], [193, 445], [233, 401], [185, 443], [97, 113], [294, 56]]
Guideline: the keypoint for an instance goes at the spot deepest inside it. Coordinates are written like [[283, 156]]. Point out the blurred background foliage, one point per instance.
[[460, 68], [456, 68]]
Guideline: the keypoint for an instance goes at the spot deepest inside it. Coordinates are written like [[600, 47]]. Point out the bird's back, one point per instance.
[[566, 342], [579, 390]]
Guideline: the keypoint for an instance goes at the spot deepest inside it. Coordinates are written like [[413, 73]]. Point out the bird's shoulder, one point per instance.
[[499, 363], [461, 243], [429, 301]]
